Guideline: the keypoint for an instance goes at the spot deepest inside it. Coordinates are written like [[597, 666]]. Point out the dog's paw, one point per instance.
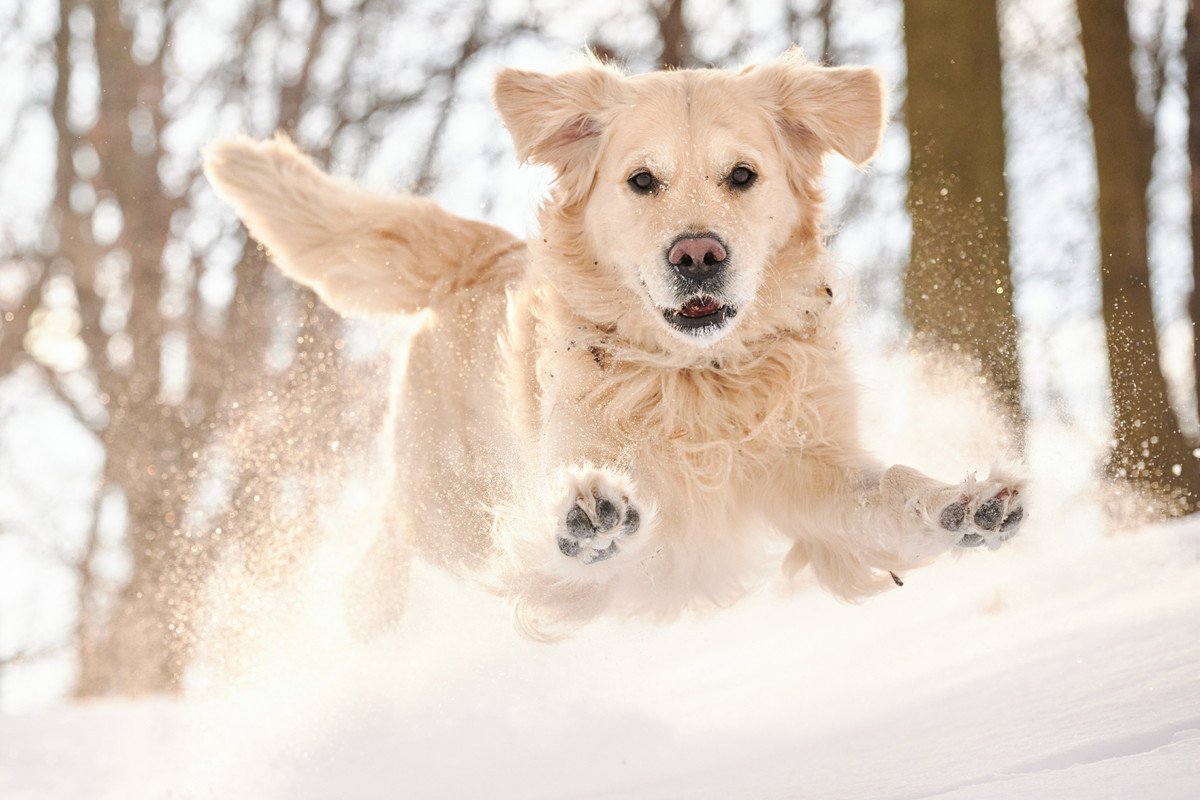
[[599, 517], [984, 512]]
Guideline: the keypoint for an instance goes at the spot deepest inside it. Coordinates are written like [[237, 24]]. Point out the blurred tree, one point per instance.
[[675, 37], [1149, 448], [155, 435], [1192, 59], [958, 289], [247, 392]]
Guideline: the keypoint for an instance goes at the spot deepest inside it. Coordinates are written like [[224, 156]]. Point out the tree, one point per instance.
[[675, 36], [1192, 58], [1149, 449], [249, 392], [958, 288]]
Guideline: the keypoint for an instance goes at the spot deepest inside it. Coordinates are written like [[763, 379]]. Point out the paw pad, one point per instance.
[[596, 523], [996, 517], [1013, 520], [988, 515], [954, 515]]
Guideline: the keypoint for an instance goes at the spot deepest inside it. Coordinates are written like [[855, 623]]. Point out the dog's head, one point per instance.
[[678, 190]]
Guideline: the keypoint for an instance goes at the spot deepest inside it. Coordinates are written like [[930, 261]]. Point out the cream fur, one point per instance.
[[545, 379]]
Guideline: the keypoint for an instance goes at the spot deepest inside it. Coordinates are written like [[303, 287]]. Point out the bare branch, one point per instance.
[[292, 97], [470, 47], [675, 36], [27, 655], [825, 17]]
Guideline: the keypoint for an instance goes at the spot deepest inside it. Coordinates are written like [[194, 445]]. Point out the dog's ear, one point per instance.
[[557, 119], [839, 109]]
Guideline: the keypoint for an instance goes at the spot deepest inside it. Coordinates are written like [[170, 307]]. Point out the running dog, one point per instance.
[[623, 412]]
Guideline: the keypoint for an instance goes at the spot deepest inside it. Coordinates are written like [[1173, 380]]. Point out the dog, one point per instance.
[[642, 405]]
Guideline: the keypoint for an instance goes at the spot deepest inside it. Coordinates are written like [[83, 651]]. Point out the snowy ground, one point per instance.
[[1065, 667]]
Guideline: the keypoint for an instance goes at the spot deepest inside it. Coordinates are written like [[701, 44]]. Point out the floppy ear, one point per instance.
[[557, 119], [840, 109]]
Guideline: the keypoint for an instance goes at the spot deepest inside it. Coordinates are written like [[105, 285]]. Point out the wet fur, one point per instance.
[[543, 378]]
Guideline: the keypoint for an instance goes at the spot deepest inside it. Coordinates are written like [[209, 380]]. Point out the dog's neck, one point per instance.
[[609, 348]]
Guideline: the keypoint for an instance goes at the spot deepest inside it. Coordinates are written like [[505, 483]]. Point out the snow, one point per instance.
[[1067, 666]]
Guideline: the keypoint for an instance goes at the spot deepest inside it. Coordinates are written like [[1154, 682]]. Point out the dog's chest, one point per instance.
[[722, 422]]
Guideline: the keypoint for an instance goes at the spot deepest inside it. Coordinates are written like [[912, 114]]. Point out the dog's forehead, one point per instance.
[[697, 115]]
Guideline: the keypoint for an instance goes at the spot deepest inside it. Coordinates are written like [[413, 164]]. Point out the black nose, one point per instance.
[[697, 258]]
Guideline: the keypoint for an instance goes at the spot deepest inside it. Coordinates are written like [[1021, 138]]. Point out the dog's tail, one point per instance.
[[364, 254]]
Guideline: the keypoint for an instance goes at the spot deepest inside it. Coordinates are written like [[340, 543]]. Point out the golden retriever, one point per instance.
[[623, 412]]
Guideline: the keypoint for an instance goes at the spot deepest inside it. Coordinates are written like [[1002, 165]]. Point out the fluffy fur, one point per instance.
[[555, 437]]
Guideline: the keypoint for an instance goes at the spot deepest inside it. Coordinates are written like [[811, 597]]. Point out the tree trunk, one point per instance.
[[1149, 448], [302, 422], [958, 290], [146, 441], [1192, 55], [675, 36]]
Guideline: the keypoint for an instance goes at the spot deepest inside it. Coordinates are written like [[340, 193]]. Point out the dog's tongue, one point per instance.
[[699, 307]]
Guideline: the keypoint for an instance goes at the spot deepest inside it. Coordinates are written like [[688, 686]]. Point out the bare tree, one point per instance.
[[675, 36], [1150, 450], [958, 289], [170, 379], [1192, 58]]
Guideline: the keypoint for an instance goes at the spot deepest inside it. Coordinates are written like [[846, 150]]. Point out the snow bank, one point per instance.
[[1060, 668], [1066, 665]]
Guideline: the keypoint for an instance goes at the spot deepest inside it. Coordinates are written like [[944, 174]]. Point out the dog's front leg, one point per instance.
[[864, 525], [937, 516], [582, 515], [569, 533]]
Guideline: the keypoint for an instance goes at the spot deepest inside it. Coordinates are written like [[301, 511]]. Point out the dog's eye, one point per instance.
[[741, 178], [643, 183]]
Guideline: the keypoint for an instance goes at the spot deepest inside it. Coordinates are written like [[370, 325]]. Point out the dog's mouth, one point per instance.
[[699, 316]]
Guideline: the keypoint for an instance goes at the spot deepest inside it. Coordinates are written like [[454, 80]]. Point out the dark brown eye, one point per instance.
[[741, 178], [643, 183]]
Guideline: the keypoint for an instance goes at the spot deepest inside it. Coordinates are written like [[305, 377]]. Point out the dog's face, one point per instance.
[[684, 186], [690, 200]]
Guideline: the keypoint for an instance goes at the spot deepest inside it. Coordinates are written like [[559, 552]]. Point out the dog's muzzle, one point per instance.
[[699, 263]]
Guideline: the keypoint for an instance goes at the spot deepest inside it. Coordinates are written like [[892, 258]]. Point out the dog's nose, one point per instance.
[[697, 258]]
